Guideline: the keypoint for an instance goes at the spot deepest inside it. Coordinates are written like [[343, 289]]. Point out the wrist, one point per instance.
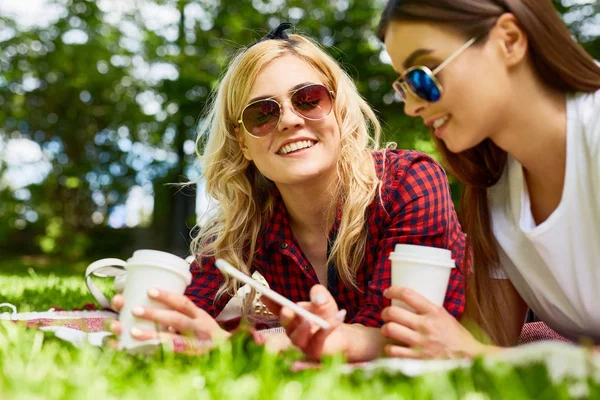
[[340, 338], [359, 342]]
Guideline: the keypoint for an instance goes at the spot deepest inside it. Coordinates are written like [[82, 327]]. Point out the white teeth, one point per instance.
[[439, 122], [288, 148]]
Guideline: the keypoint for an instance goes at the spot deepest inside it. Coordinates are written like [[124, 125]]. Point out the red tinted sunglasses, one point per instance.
[[261, 117]]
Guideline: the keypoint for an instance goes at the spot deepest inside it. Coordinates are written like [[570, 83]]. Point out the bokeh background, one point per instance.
[[100, 102]]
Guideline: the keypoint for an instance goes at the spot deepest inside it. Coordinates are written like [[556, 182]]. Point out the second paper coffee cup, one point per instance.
[[148, 269], [424, 269]]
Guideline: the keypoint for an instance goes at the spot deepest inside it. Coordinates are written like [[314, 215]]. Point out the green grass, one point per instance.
[[36, 365]]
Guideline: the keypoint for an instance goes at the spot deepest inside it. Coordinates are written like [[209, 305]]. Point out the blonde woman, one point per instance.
[[307, 200]]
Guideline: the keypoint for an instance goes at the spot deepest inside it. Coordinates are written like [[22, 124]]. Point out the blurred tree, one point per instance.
[[112, 92], [69, 88]]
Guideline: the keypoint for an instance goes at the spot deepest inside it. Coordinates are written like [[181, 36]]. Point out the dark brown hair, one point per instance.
[[559, 60]]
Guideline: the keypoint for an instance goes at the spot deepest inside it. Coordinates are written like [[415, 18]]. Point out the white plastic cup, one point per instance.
[[424, 269], [146, 269]]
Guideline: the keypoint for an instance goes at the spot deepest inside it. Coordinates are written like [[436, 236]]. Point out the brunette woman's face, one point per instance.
[[475, 91]]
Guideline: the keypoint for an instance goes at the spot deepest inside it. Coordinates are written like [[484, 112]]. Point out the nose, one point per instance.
[[414, 106], [289, 117]]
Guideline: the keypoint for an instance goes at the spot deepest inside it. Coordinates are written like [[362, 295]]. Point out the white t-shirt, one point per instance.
[[555, 266]]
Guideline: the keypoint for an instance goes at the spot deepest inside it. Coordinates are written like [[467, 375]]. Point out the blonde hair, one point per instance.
[[245, 197]]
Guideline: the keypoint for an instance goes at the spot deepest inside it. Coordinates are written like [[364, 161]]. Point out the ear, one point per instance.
[[512, 39], [242, 140]]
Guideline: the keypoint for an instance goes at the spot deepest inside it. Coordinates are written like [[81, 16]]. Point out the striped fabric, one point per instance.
[[538, 331]]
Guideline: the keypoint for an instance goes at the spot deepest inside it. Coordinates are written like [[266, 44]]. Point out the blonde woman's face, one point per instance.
[[298, 150]]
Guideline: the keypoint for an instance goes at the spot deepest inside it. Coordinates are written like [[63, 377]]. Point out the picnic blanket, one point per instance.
[[88, 319], [89, 324]]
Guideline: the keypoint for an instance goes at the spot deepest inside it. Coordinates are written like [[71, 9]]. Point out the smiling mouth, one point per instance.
[[439, 122], [296, 146]]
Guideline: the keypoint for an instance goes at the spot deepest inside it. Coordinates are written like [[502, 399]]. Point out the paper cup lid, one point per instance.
[[162, 259], [423, 251], [431, 254]]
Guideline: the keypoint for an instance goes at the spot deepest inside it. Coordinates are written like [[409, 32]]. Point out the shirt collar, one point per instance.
[[277, 228]]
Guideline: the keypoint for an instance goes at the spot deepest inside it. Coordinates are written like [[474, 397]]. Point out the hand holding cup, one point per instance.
[[180, 323], [153, 300], [427, 332]]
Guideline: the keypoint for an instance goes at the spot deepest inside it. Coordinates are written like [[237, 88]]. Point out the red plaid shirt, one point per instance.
[[415, 208]]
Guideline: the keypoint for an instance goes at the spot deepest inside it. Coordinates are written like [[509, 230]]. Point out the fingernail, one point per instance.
[[340, 315], [113, 325], [136, 332], [138, 311], [319, 299], [385, 292], [153, 293]]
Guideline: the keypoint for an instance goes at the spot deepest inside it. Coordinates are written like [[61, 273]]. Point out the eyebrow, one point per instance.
[[298, 86], [410, 60]]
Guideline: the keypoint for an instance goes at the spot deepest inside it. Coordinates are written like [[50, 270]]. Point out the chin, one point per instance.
[[459, 146], [454, 147]]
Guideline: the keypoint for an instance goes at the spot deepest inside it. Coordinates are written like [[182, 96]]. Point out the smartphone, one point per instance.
[[230, 270]]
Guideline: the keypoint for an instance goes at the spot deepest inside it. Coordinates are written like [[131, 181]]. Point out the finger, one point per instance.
[[315, 347], [307, 305], [143, 335], [392, 350], [117, 302], [185, 344], [176, 343], [115, 327], [110, 342], [271, 305], [322, 302], [401, 334], [411, 298], [174, 319], [402, 317], [302, 334], [289, 320], [176, 301]]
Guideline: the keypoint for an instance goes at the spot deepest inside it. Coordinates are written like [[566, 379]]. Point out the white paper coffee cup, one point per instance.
[[424, 269], [148, 269]]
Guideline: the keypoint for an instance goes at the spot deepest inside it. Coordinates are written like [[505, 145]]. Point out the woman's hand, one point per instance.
[[430, 332], [189, 328], [312, 340]]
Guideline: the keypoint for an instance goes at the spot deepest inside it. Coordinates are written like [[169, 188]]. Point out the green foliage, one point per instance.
[[36, 365], [106, 124]]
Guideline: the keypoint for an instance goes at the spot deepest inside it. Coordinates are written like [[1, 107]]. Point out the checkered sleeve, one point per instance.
[[206, 280], [418, 210]]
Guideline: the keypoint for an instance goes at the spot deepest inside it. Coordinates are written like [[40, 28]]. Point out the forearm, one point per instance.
[[357, 342]]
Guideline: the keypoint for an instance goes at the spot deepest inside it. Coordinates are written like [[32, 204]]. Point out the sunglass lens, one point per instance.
[[261, 118], [399, 90], [423, 85], [312, 102]]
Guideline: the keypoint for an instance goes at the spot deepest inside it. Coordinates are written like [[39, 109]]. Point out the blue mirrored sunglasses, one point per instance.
[[421, 82]]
